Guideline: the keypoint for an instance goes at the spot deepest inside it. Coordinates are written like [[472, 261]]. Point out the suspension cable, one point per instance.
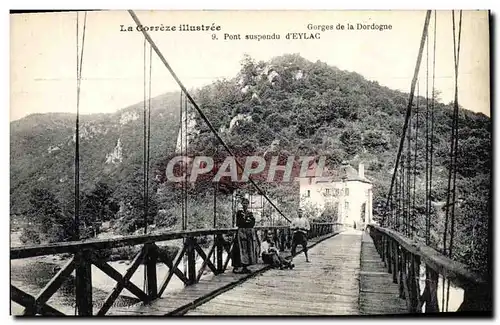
[[186, 187], [76, 233], [181, 148], [416, 152], [79, 65], [149, 130], [433, 102], [402, 193], [452, 230], [427, 209], [408, 183], [456, 51], [186, 148], [432, 107], [397, 199], [144, 178], [200, 112], [410, 102]]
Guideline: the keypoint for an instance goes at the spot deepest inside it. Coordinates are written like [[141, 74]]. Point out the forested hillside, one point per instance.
[[295, 107], [287, 106]]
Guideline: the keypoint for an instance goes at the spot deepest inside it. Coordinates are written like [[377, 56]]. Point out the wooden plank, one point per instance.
[[220, 248], [120, 285], [97, 244], [228, 257], [379, 295], [115, 275], [83, 283], [77, 246], [168, 262], [54, 284], [454, 271], [173, 270], [179, 303], [191, 260], [206, 261], [150, 265], [27, 300], [326, 286]]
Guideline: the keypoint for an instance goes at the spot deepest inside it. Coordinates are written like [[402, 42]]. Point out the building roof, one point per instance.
[[345, 172]]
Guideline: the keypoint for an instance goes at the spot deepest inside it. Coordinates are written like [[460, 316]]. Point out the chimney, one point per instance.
[[361, 170]]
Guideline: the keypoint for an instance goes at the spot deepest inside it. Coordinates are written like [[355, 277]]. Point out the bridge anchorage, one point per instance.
[[396, 260]]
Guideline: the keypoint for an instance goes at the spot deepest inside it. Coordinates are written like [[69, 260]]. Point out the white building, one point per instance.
[[346, 192]]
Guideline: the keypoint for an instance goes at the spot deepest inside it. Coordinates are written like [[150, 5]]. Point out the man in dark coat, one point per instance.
[[246, 247]]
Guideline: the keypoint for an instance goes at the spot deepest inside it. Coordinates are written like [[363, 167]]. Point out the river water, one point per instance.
[[32, 274], [456, 296]]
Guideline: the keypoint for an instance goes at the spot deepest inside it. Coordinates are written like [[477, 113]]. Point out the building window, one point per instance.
[[327, 191], [308, 193], [346, 205], [336, 192], [347, 191]]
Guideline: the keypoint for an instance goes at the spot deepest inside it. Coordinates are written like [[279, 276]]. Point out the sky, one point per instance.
[[43, 53]]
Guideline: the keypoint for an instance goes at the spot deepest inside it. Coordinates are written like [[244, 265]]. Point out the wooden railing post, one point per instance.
[[416, 269], [382, 247], [402, 257], [150, 264], [430, 291], [83, 283], [191, 256], [219, 252], [389, 254], [402, 273], [395, 260], [413, 287]]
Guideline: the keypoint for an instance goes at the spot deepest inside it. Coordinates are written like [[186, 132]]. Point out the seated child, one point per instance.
[[270, 254]]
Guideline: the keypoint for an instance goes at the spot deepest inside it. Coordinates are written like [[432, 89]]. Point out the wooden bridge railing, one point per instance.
[[403, 257], [86, 253]]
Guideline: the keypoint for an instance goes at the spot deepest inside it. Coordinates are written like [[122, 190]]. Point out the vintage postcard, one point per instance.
[[244, 163]]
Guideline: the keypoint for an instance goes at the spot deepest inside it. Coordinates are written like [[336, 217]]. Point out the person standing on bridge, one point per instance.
[[246, 248], [300, 226]]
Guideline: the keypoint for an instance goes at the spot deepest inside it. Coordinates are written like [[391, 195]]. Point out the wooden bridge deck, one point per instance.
[[345, 277], [177, 303], [326, 286], [377, 293]]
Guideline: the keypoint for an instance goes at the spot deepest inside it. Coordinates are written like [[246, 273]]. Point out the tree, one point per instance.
[[352, 141], [330, 214], [30, 236], [131, 214], [45, 216], [98, 206]]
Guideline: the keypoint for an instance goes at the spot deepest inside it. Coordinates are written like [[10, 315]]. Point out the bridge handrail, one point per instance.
[[132, 240], [83, 258], [403, 257], [456, 272]]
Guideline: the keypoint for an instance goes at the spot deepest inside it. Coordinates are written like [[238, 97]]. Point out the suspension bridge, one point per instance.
[[389, 267]]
